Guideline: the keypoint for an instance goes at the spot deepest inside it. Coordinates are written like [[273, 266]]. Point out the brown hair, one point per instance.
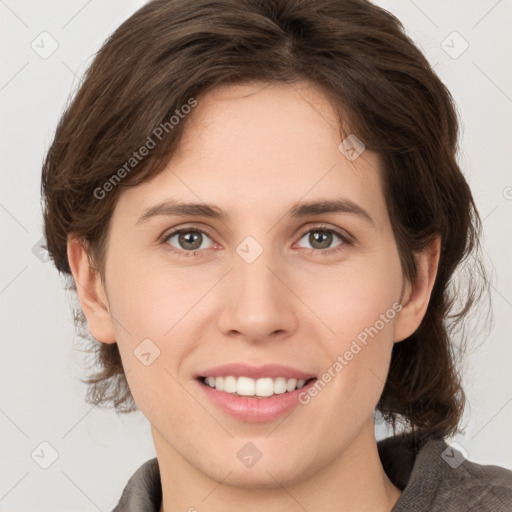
[[172, 51]]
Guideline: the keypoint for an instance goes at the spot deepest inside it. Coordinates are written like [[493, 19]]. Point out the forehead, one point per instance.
[[265, 115], [249, 147]]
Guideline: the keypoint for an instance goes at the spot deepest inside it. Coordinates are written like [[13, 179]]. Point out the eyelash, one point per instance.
[[344, 238]]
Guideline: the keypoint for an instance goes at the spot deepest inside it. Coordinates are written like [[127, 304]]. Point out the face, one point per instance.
[[276, 292]]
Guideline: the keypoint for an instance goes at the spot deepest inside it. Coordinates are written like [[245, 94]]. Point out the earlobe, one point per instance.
[[417, 295], [91, 293]]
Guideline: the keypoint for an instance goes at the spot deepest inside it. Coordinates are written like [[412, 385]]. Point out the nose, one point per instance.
[[258, 304]]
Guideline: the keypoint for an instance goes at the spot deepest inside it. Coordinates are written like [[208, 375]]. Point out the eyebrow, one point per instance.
[[299, 210]]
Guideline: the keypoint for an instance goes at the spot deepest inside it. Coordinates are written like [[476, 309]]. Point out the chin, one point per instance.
[[253, 479], [266, 473]]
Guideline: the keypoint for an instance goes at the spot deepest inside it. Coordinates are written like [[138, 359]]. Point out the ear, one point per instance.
[[416, 295], [91, 293]]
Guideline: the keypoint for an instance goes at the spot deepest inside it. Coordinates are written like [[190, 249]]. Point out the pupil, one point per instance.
[[316, 235], [185, 238]]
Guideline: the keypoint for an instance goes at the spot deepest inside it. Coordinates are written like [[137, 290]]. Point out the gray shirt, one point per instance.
[[433, 477]]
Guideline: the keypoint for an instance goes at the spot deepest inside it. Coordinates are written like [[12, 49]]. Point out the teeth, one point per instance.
[[280, 385], [264, 387], [245, 386], [229, 384], [291, 384]]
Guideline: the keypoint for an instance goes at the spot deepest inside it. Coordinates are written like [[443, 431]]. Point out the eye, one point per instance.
[[191, 241], [188, 240], [320, 239]]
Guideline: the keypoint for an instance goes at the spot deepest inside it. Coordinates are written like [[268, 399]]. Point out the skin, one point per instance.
[[255, 150]]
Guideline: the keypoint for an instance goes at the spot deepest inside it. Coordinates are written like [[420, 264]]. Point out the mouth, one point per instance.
[[265, 387], [257, 400], [254, 393]]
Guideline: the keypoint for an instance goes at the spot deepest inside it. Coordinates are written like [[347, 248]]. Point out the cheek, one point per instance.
[[154, 308], [359, 294], [361, 309], [150, 314], [148, 299]]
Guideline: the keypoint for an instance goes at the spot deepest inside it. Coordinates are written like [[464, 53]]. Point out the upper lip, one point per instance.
[[255, 372]]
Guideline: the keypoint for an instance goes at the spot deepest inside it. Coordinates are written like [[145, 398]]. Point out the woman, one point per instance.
[[260, 207]]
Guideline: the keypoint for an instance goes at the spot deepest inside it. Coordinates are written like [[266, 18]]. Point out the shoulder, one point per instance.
[[436, 476], [143, 492], [475, 486]]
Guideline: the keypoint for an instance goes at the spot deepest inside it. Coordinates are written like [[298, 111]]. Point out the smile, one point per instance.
[[257, 388]]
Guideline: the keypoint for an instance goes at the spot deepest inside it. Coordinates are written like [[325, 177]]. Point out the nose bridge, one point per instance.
[[255, 282], [254, 276]]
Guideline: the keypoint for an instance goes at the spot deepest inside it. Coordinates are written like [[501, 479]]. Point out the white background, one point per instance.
[[41, 396]]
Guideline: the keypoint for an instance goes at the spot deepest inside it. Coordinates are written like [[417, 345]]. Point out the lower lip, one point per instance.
[[255, 410]]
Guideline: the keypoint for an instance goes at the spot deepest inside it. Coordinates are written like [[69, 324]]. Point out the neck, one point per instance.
[[354, 480]]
